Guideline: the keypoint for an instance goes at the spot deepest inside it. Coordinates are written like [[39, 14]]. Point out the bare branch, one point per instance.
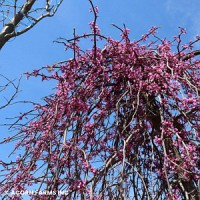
[[28, 11]]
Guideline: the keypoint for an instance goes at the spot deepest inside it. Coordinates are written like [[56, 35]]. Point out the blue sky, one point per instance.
[[36, 49]]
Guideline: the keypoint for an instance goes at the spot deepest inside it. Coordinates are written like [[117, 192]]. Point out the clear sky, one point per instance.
[[36, 49]]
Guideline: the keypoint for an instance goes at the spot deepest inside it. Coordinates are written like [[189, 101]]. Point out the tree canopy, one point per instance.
[[123, 122]]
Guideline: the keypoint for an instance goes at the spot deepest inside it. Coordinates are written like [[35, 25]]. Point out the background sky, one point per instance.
[[36, 49]]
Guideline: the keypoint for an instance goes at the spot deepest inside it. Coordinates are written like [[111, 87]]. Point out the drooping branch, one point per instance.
[[123, 123]]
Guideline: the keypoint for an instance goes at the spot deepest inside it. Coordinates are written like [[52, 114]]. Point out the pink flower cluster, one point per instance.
[[130, 110]]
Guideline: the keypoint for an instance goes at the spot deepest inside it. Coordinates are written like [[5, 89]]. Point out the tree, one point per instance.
[[18, 17], [123, 123]]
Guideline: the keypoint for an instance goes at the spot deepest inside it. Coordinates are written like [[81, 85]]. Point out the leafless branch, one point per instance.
[[16, 16]]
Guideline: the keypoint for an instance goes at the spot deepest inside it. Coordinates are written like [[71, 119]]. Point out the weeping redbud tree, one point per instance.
[[123, 123]]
